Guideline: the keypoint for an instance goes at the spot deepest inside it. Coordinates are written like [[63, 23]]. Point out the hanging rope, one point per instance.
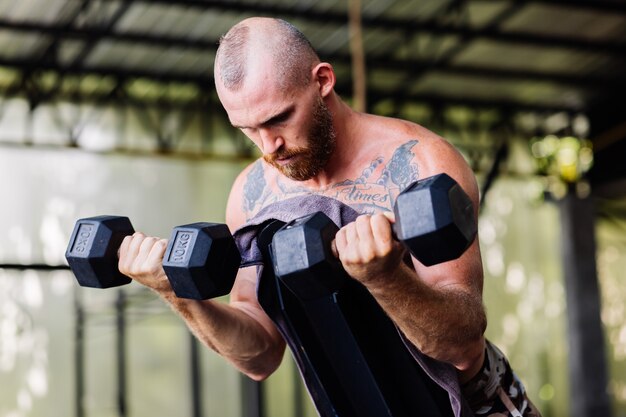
[[357, 54]]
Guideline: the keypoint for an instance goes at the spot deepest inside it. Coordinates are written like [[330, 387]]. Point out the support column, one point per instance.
[[79, 355], [195, 372], [252, 397], [120, 319], [587, 360]]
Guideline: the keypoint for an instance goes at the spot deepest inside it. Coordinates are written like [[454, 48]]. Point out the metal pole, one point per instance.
[[79, 354], [120, 307], [196, 377], [252, 397], [298, 404], [587, 362]]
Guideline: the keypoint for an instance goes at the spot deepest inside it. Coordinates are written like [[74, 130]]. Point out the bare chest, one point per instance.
[[369, 186]]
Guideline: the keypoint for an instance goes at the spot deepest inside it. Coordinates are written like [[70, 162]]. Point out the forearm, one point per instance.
[[444, 323], [241, 332], [233, 332]]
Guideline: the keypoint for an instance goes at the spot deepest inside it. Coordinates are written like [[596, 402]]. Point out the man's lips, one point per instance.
[[284, 160]]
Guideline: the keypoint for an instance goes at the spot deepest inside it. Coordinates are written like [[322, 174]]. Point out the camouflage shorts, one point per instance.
[[496, 391]]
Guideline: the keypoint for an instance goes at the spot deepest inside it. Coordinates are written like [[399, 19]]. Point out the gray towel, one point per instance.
[[442, 373]]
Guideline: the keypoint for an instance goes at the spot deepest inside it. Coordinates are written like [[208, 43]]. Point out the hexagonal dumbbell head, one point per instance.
[[302, 257], [92, 251], [435, 219], [201, 260]]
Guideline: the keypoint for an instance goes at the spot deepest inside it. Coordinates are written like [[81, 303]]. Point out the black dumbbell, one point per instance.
[[434, 219], [92, 251], [201, 260], [302, 257]]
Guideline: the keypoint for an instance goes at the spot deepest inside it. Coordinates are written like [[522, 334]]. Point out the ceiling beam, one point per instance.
[[206, 86], [392, 24], [377, 62], [608, 6], [49, 52], [404, 97], [103, 71], [88, 46], [449, 55], [206, 82], [88, 33], [406, 25], [605, 6]]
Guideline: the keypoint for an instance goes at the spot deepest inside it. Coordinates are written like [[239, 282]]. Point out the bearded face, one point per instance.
[[308, 161]]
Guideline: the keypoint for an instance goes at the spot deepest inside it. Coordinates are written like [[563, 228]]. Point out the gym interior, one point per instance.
[[108, 107]]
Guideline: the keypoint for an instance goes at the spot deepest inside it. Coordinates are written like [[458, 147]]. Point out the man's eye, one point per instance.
[[278, 119]]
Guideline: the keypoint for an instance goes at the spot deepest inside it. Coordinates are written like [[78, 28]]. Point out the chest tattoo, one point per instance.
[[374, 190]]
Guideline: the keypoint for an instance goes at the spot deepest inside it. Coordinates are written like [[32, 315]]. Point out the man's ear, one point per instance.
[[324, 76]]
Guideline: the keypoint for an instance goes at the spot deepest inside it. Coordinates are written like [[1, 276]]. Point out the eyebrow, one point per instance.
[[278, 117]]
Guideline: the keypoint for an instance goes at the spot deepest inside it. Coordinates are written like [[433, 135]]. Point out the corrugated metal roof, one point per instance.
[[473, 51]]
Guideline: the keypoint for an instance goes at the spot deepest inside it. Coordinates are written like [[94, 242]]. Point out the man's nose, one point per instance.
[[270, 141]]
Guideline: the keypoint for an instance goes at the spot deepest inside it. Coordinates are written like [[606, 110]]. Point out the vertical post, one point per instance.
[[79, 354], [298, 405], [120, 314], [252, 397], [196, 377], [587, 363]]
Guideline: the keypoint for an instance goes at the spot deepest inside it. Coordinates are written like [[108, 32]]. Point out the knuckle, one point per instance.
[[122, 268], [368, 256], [161, 245], [379, 218], [361, 218]]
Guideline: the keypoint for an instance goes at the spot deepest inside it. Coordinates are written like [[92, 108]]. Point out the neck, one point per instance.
[[344, 123]]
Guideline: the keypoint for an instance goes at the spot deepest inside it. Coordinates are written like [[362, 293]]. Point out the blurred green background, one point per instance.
[[46, 188]]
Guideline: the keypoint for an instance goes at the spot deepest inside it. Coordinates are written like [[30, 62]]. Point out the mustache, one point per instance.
[[283, 154]]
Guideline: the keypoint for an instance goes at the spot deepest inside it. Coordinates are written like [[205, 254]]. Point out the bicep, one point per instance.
[[464, 273]]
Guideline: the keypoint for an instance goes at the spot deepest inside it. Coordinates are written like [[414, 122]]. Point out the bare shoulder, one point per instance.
[[421, 153], [247, 194]]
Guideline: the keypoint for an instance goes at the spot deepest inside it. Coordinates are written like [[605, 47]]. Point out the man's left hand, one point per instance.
[[367, 249]]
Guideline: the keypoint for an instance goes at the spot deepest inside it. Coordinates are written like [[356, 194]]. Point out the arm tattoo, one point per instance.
[[400, 169], [254, 187]]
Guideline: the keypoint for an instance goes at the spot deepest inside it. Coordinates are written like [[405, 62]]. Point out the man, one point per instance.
[[277, 92]]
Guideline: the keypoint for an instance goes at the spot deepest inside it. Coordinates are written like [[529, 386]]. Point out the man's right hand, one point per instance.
[[141, 258]]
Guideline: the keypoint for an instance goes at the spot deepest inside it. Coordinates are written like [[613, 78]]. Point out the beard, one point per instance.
[[309, 160]]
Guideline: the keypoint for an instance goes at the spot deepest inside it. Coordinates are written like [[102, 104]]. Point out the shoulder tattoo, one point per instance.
[[369, 170], [400, 170], [254, 187]]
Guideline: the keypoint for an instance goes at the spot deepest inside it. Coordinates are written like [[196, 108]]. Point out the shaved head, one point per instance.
[[291, 55]]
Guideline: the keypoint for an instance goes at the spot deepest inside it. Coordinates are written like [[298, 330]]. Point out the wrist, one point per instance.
[[397, 279]]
